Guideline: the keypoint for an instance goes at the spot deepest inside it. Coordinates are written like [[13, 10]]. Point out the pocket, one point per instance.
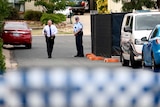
[[52, 37]]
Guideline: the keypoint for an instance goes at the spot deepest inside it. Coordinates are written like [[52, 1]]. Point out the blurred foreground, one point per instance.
[[80, 87]]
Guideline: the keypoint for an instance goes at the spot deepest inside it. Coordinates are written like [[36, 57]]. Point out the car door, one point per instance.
[[126, 35], [148, 46]]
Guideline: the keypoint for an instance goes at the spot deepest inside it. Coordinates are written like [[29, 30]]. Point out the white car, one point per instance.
[[67, 11], [134, 27]]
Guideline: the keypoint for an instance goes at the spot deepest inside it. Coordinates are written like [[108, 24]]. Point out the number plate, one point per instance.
[[16, 34]]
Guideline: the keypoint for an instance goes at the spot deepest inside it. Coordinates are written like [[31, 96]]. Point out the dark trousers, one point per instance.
[[79, 44], [50, 43]]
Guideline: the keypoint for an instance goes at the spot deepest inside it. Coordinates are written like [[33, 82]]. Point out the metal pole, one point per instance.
[[71, 17]]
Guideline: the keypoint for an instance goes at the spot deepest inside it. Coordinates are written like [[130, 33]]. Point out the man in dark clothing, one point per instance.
[[78, 33]]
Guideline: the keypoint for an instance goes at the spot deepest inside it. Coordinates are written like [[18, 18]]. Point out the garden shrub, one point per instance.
[[62, 17], [13, 14], [56, 18], [32, 15], [2, 58]]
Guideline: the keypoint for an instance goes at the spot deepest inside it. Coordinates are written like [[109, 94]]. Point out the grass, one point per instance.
[[37, 32]]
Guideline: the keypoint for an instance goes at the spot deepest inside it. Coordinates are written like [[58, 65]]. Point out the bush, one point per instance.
[[2, 58], [62, 17], [13, 14], [32, 15], [56, 18]]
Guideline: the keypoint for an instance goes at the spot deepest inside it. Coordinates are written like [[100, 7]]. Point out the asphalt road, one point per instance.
[[63, 52]]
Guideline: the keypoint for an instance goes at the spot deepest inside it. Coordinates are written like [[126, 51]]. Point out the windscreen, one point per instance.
[[17, 26], [146, 22]]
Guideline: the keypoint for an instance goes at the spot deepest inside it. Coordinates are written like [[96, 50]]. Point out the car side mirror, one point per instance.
[[127, 29], [144, 39]]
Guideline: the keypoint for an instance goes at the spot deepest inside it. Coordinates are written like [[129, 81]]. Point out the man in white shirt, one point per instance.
[[78, 33], [50, 31]]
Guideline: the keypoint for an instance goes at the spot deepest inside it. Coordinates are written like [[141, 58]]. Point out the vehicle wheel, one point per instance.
[[28, 46], [143, 63], [134, 63], [124, 61], [154, 66]]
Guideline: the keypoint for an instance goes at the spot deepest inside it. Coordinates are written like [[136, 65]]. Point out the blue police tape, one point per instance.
[[80, 87]]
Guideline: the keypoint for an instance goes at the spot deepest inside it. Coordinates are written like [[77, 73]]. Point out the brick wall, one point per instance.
[[30, 6]]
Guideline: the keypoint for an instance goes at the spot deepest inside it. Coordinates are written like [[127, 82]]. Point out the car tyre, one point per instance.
[[154, 65], [124, 61], [28, 46], [143, 62], [134, 64]]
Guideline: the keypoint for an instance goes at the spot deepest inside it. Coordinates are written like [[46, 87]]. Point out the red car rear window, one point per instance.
[[12, 25]]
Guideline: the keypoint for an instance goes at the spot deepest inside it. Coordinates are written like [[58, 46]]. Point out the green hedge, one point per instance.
[[32, 15], [2, 58], [13, 14], [56, 18]]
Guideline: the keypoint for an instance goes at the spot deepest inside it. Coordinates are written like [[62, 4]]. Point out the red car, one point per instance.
[[17, 33]]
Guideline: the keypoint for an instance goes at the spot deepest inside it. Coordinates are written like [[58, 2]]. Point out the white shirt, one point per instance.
[[77, 26], [47, 29]]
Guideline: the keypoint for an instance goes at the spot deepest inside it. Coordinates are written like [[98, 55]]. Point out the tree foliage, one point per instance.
[[13, 14], [102, 6], [32, 15], [4, 12], [136, 4], [56, 18], [4, 9], [2, 58], [52, 5]]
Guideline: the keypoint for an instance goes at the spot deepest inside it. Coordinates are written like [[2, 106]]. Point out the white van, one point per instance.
[[134, 27]]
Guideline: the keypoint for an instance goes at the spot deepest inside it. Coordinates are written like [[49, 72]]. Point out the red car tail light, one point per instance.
[[158, 41], [5, 31], [83, 3]]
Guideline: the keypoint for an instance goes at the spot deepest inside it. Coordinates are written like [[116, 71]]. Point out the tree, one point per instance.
[[4, 12], [52, 5], [129, 5], [102, 6], [2, 58], [4, 9]]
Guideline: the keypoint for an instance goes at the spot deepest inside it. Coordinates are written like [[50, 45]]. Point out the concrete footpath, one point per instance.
[[10, 64]]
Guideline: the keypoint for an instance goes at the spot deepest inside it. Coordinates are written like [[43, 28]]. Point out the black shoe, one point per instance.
[[49, 57], [76, 56], [81, 55]]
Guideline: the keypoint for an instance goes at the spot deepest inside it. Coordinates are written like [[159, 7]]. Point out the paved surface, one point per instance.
[[64, 50], [11, 64]]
